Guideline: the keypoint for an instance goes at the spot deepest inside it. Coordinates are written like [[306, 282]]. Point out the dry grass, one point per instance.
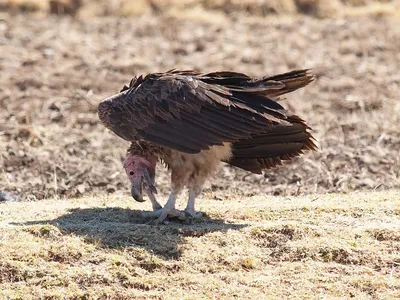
[[206, 9], [319, 246]]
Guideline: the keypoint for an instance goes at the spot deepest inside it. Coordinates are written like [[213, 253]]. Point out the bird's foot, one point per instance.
[[164, 213], [191, 214]]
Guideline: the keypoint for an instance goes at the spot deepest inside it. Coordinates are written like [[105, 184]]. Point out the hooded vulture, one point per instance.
[[192, 122]]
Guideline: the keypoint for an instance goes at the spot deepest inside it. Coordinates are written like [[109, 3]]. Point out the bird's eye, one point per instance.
[[131, 173]]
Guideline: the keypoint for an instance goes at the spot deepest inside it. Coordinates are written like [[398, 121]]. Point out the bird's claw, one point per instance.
[[191, 215], [164, 214]]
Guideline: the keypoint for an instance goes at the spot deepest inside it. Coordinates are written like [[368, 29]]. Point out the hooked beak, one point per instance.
[[137, 193]]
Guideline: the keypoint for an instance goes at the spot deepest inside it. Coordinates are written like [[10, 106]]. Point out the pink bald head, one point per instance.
[[141, 173]]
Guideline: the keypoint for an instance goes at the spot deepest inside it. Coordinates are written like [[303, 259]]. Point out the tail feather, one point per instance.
[[269, 150], [270, 87], [292, 81]]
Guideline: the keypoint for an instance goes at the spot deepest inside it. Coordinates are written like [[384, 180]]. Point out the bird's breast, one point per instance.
[[205, 159]]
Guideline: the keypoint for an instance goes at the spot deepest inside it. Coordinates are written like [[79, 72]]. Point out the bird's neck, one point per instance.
[[145, 151]]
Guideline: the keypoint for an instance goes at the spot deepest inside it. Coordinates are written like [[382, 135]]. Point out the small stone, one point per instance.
[[110, 188], [81, 188], [5, 196]]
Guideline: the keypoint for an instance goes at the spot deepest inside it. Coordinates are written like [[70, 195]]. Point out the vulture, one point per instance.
[[191, 122]]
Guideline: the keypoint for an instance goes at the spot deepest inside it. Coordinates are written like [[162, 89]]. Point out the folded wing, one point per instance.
[[190, 112]]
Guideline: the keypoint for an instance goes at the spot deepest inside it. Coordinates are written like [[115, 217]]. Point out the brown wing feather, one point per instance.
[[268, 150], [190, 112], [266, 86]]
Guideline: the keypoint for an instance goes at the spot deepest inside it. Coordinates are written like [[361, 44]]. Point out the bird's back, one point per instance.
[[188, 111]]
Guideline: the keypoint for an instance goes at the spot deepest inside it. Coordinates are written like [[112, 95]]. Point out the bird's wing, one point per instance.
[[188, 113]]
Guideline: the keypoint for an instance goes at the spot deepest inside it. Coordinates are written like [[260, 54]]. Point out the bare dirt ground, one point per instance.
[[55, 70]]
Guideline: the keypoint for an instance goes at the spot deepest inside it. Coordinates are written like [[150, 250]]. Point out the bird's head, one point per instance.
[[141, 173]]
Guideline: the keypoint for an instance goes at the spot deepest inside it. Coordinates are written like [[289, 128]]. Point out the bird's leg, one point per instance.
[[169, 208], [167, 211], [189, 210], [195, 187]]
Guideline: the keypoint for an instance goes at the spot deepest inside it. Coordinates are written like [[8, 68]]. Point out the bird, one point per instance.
[[191, 122]]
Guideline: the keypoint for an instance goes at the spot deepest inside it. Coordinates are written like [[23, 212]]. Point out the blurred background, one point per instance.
[[60, 58], [206, 10]]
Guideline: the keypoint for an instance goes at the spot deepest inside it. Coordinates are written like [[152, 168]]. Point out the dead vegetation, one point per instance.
[[335, 247], [206, 10]]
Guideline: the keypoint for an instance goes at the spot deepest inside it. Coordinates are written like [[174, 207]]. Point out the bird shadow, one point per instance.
[[114, 227]]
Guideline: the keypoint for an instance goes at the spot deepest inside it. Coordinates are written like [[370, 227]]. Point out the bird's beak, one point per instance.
[[137, 194]]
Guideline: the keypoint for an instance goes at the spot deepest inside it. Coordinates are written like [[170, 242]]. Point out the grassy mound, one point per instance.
[[332, 246]]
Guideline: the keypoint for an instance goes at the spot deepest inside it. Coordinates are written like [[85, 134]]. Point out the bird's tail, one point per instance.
[[270, 87], [270, 149], [292, 81]]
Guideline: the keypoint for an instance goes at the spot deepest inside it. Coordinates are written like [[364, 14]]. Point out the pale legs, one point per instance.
[[195, 187], [169, 209], [189, 210]]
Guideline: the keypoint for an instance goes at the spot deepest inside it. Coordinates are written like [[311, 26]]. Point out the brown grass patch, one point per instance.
[[99, 247]]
